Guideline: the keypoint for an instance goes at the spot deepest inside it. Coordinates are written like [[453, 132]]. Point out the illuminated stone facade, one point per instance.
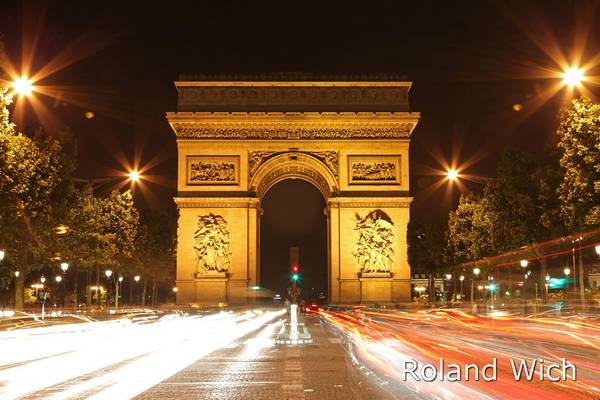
[[236, 139]]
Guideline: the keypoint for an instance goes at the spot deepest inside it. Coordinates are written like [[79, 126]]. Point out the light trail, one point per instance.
[[384, 340], [113, 359]]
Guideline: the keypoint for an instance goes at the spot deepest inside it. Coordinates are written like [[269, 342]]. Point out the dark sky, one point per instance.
[[470, 61]]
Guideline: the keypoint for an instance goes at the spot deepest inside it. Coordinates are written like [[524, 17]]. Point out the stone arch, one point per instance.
[[293, 165]]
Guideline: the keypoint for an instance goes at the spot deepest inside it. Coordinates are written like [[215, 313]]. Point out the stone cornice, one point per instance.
[[180, 83], [293, 125]]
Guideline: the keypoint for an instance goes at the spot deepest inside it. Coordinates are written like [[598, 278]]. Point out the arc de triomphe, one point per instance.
[[238, 138]]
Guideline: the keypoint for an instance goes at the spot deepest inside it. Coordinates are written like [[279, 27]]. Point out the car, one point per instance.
[[312, 308]]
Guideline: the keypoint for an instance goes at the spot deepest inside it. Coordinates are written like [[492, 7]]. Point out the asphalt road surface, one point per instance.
[[229, 355]]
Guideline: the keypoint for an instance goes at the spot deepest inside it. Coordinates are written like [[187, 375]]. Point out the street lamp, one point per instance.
[[58, 278], [448, 277], [2, 254], [136, 278], [43, 279], [524, 263], [119, 291], [476, 272], [461, 278], [572, 76], [134, 176], [22, 86], [567, 272], [597, 248], [64, 266], [452, 174], [17, 273], [108, 274]]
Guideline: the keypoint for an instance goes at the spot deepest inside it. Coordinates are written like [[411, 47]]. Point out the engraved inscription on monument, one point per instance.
[[212, 245], [374, 170], [373, 250], [213, 170]]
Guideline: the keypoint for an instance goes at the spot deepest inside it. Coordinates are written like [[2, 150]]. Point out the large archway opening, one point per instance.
[[293, 217]]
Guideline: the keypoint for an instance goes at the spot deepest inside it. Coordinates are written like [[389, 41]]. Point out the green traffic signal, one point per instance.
[[295, 277]]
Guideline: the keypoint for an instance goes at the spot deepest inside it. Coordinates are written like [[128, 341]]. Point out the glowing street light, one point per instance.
[[108, 273], [134, 176], [2, 254], [136, 278], [567, 271], [452, 174], [524, 263], [597, 248], [64, 266], [448, 276], [58, 278], [461, 278], [476, 272], [43, 279], [17, 273], [573, 76], [175, 290], [22, 86], [547, 277]]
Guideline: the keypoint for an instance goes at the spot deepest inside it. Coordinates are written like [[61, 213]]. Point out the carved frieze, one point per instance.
[[373, 169], [213, 170], [212, 245], [328, 157], [374, 249], [193, 131]]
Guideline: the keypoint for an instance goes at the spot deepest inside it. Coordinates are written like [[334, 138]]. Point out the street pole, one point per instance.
[[117, 296], [574, 270], [581, 279], [472, 284]]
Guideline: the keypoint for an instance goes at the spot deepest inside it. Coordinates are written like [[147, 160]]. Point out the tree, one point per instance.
[[155, 246], [579, 141], [426, 241], [470, 230], [102, 232], [517, 208], [34, 183]]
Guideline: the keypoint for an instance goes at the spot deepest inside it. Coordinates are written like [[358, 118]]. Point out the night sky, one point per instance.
[[470, 62]]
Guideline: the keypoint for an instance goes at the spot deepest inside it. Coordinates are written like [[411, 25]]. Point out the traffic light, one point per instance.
[[295, 275]]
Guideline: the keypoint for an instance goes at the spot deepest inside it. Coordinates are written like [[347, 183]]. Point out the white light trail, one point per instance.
[[109, 360]]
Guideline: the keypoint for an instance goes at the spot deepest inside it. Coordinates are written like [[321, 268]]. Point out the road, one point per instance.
[[357, 354], [228, 355], [384, 341]]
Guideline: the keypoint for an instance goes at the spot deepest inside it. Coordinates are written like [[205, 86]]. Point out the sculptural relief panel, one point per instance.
[[369, 170], [213, 170], [374, 249], [212, 245]]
